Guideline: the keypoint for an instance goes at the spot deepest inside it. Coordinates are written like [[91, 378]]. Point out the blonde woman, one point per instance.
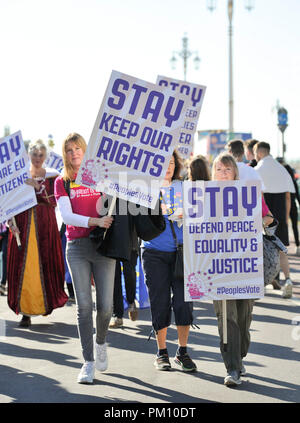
[[36, 271], [239, 312], [78, 206]]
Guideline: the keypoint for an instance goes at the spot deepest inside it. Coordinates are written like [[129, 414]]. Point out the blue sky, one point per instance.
[[57, 56]]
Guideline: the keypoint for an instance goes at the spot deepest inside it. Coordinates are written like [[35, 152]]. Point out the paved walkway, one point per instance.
[[40, 364]]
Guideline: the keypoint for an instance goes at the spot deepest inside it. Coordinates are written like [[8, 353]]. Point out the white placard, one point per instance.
[[223, 248], [15, 195], [133, 139], [194, 94]]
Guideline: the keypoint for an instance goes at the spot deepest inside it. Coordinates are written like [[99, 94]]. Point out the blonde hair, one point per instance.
[[37, 145], [68, 171], [227, 160]]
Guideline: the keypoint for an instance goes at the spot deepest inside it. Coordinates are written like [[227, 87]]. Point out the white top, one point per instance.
[[50, 173], [67, 215], [247, 173], [275, 177]]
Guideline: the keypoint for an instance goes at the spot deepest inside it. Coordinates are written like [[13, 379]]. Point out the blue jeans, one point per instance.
[[83, 261]]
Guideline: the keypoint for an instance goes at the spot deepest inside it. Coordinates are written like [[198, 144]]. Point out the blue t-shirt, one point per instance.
[[172, 197]]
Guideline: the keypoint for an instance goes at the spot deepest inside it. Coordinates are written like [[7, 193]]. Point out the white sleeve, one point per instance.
[[68, 217]]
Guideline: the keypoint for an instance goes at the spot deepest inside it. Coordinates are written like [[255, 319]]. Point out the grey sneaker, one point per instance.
[[87, 372], [162, 362], [232, 379], [287, 290]]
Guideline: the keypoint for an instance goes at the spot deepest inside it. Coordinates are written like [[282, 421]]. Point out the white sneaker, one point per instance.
[[232, 379], [87, 373], [117, 322], [287, 290], [101, 356]]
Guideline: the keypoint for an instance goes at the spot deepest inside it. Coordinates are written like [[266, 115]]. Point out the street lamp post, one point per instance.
[[185, 54], [211, 5]]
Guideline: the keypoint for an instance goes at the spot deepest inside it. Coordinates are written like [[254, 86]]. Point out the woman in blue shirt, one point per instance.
[[165, 291]]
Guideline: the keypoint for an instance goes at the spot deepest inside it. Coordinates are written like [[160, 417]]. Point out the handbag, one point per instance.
[[272, 246], [178, 269]]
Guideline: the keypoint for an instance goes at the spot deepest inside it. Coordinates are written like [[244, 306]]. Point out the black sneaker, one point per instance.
[[162, 362], [185, 362]]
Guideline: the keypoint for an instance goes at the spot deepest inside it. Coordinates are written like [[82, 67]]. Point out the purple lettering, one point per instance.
[[148, 154], [195, 202], [4, 152], [195, 99], [122, 160], [249, 206], [138, 91], [135, 158], [170, 118], [115, 90], [174, 85], [156, 160], [104, 147], [15, 147], [233, 205], [166, 142], [104, 121], [163, 82], [212, 192], [185, 88], [157, 97]]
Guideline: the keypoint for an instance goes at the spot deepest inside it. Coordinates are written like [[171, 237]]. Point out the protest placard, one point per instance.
[[223, 247], [54, 161], [15, 195], [195, 96], [133, 139]]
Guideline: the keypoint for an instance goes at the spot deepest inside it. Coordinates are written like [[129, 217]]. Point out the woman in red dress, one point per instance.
[[36, 269]]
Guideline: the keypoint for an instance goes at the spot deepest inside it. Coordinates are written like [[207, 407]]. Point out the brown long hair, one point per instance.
[[68, 173], [178, 165], [199, 169]]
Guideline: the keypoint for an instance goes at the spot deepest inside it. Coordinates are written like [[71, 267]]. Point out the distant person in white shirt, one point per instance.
[[278, 188], [236, 149]]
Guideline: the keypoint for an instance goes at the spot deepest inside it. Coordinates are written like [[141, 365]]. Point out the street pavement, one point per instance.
[[41, 364]]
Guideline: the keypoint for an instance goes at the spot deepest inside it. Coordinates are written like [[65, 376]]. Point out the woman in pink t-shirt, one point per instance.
[[79, 207]]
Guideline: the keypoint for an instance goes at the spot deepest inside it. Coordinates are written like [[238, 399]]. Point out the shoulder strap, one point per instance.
[[67, 186], [173, 232]]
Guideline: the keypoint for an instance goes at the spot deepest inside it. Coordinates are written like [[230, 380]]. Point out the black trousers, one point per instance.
[[129, 273], [294, 219], [4, 243], [165, 291]]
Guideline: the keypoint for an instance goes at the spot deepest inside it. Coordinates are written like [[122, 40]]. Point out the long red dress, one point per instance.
[[35, 272]]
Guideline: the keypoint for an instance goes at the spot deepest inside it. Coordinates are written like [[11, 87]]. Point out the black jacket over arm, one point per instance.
[[119, 238]]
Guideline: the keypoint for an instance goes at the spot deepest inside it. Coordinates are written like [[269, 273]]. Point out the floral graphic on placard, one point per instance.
[[92, 172], [199, 284]]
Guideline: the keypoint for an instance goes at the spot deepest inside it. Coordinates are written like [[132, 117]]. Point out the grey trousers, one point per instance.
[[83, 261], [239, 317]]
